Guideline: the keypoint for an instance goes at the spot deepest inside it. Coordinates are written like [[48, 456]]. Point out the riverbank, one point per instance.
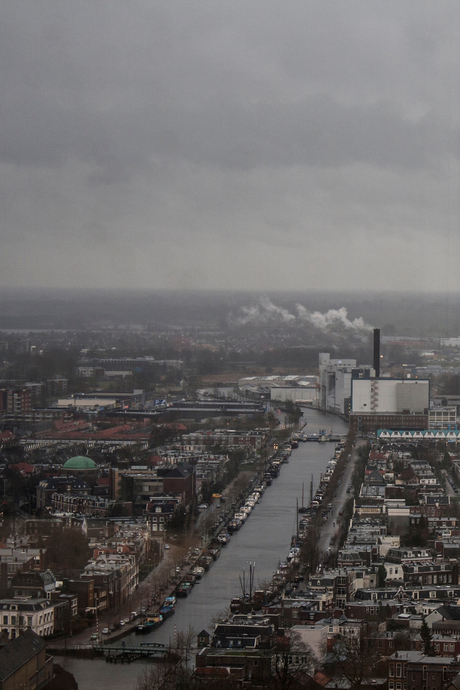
[[181, 563], [264, 540]]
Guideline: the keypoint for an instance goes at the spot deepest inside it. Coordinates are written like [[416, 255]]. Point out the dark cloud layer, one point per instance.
[[237, 144]]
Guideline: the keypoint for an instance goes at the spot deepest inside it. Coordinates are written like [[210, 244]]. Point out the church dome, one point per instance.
[[80, 462]]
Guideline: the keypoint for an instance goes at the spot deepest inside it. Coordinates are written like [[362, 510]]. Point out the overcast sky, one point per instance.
[[245, 144]]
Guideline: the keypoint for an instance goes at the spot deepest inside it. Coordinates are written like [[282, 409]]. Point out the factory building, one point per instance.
[[335, 377], [387, 403]]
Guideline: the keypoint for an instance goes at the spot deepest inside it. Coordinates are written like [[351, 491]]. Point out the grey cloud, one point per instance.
[[112, 103], [236, 142], [319, 132]]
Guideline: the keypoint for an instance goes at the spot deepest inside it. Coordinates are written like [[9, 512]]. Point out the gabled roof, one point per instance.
[[23, 468], [449, 613], [182, 469], [455, 682], [17, 652]]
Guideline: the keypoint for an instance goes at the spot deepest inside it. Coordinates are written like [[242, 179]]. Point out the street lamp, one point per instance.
[[95, 608]]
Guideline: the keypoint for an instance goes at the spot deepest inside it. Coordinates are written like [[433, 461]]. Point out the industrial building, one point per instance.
[[373, 402], [335, 376], [389, 403]]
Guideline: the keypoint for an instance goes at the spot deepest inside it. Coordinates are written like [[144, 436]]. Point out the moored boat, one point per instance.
[[234, 525], [184, 589], [168, 607], [149, 624], [198, 572]]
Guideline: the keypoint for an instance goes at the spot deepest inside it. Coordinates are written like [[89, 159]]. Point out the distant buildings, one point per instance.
[[384, 403], [335, 377], [372, 402], [279, 388]]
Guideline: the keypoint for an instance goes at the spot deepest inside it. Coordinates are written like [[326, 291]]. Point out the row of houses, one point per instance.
[[395, 576]]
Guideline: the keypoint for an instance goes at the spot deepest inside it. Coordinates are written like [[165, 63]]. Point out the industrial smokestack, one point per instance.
[[377, 352]]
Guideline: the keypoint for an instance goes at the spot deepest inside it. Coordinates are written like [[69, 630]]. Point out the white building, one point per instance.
[[19, 614], [388, 396], [334, 382], [87, 403], [304, 393], [335, 376], [442, 417]]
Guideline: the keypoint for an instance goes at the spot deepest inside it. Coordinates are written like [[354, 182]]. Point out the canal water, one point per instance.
[[263, 540]]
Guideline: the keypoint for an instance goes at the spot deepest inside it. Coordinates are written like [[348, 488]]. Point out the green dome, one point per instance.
[[80, 462]]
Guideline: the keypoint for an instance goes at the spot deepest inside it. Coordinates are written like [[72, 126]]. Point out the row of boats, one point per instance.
[[273, 470], [206, 559], [282, 580], [152, 622], [316, 502], [240, 517], [182, 590]]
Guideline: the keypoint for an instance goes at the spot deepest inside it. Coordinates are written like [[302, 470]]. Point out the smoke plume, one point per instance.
[[332, 319], [264, 312]]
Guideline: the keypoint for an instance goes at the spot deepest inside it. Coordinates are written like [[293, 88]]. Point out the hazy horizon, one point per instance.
[[356, 312]]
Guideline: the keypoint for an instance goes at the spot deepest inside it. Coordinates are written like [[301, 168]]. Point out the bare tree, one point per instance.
[[309, 553], [220, 616], [184, 643], [167, 677], [357, 653], [291, 659]]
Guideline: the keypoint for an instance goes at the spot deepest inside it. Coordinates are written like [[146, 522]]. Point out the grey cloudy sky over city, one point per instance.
[[240, 144]]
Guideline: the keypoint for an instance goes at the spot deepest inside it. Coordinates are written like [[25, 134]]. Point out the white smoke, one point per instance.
[[265, 312], [332, 319]]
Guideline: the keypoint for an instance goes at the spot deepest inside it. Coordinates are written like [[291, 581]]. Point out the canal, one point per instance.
[[264, 540]]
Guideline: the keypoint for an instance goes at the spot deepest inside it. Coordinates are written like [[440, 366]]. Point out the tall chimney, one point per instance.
[[377, 352]]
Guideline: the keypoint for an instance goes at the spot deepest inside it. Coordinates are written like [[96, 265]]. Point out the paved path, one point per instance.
[[329, 528]]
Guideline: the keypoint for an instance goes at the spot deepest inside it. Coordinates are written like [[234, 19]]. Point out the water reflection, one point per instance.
[[264, 539]]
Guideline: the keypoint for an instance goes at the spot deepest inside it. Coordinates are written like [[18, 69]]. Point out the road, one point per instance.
[[329, 528]]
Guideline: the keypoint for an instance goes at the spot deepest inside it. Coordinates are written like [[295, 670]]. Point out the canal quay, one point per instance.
[[263, 541]]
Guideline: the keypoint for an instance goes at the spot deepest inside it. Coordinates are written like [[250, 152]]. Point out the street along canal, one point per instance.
[[264, 539]]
